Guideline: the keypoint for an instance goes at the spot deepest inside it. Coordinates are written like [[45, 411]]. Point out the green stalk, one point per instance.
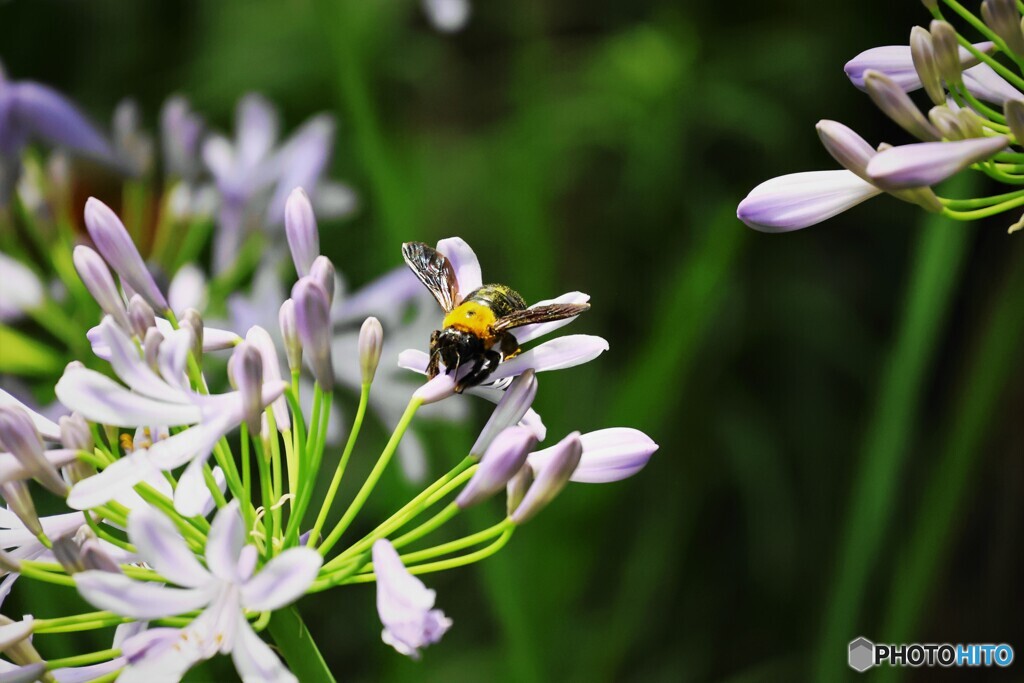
[[297, 646], [944, 493], [937, 258]]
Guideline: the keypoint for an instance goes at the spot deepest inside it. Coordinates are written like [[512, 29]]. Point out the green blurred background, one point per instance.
[[839, 409]]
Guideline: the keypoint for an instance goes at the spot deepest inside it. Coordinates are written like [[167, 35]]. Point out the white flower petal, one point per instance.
[[224, 543], [799, 200], [608, 455], [194, 443], [192, 495], [254, 660], [414, 359], [465, 263], [557, 354], [100, 399], [528, 333], [161, 546], [129, 365], [47, 427], [21, 290], [984, 83], [137, 599], [283, 580], [116, 479], [187, 289]]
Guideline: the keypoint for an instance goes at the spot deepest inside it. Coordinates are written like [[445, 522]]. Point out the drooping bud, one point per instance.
[[246, 369], [1014, 111], [503, 459], [923, 54], [19, 436], [312, 320], [898, 106], [947, 123], [928, 163], [322, 271], [97, 279], [1003, 17], [290, 334], [300, 228], [513, 405], [516, 489], [847, 147], [947, 51], [261, 340], [68, 553], [141, 316], [608, 455], [115, 244], [551, 478], [19, 500], [371, 342]]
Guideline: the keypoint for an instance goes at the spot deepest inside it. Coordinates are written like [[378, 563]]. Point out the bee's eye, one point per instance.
[[470, 314]]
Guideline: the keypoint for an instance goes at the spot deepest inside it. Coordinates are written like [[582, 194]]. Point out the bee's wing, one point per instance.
[[537, 314], [435, 271]]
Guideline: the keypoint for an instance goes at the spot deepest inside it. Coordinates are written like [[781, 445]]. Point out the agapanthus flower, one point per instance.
[[959, 132], [405, 604]]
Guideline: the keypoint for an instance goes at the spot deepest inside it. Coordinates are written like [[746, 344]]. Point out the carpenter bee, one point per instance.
[[475, 330]]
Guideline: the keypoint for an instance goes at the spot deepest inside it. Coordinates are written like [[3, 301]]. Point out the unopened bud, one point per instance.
[[322, 271], [290, 334], [97, 279], [261, 340], [115, 244], [551, 478], [847, 147], [947, 122], [19, 435], [11, 634], [513, 405], [1014, 110], [300, 228], [946, 49], [924, 197], [897, 105], [1003, 17], [74, 433], [312, 319], [67, 552], [517, 487], [141, 316], [503, 459], [94, 557], [923, 55], [371, 342], [19, 500], [247, 372], [151, 347], [193, 321]]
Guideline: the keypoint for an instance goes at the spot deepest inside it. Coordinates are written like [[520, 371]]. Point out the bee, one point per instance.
[[476, 326]]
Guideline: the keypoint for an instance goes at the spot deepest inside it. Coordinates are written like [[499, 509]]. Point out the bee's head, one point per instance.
[[454, 347]]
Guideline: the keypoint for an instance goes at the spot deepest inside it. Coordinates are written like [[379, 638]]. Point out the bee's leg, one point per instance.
[[482, 369], [508, 346], [435, 355]]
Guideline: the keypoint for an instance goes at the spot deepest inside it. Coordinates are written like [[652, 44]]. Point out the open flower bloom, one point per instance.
[[152, 400], [405, 604], [223, 590], [556, 354]]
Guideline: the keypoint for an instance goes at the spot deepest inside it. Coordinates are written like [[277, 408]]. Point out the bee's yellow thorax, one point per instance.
[[471, 317]]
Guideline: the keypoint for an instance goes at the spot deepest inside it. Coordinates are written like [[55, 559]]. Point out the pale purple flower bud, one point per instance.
[[313, 322], [300, 228], [437, 389], [1014, 111], [503, 459], [1003, 17], [947, 51], [896, 62], [405, 604], [9, 563], [948, 123], [261, 340], [133, 146], [19, 500], [924, 197], [985, 84], [151, 347], [247, 372], [95, 557], [115, 244], [517, 487], [847, 147], [514, 404], [923, 54], [897, 105], [19, 435], [192, 320], [290, 334], [141, 316], [322, 271], [929, 163], [97, 279], [74, 433], [371, 343], [551, 478], [608, 455], [68, 554], [27, 673], [799, 200], [181, 133]]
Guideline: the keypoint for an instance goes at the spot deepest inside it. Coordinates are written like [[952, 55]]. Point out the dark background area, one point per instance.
[[839, 409]]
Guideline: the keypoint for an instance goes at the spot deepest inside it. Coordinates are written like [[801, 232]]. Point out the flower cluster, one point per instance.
[[975, 119], [189, 467]]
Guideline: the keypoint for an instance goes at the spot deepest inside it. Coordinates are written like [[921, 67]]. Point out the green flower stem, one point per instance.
[[458, 544], [432, 524], [332, 491], [996, 119], [276, 485], [373, 478], [106, 535], [291, 464], [315, 443], [933, 532], [84, 625], [936, 265], [32, 572], [451, 563], [407, 511], [981, 28], [109, 678], [298, 648], [337, 578], [192, 242], [267, 494], [295, 453], [211, 483], [984, 212], [83, 660], [991, 171], [996, 65], [43, 625], [980, 202]]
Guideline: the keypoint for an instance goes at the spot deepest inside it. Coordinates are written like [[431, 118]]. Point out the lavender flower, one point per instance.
[[897, 62], [550, 477], [799, 200], [405, 605], [929, 163], [608, 455], [115, 244], [503, 459]]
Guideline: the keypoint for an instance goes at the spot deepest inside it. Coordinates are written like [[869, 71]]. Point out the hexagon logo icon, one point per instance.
[[862, 654]]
